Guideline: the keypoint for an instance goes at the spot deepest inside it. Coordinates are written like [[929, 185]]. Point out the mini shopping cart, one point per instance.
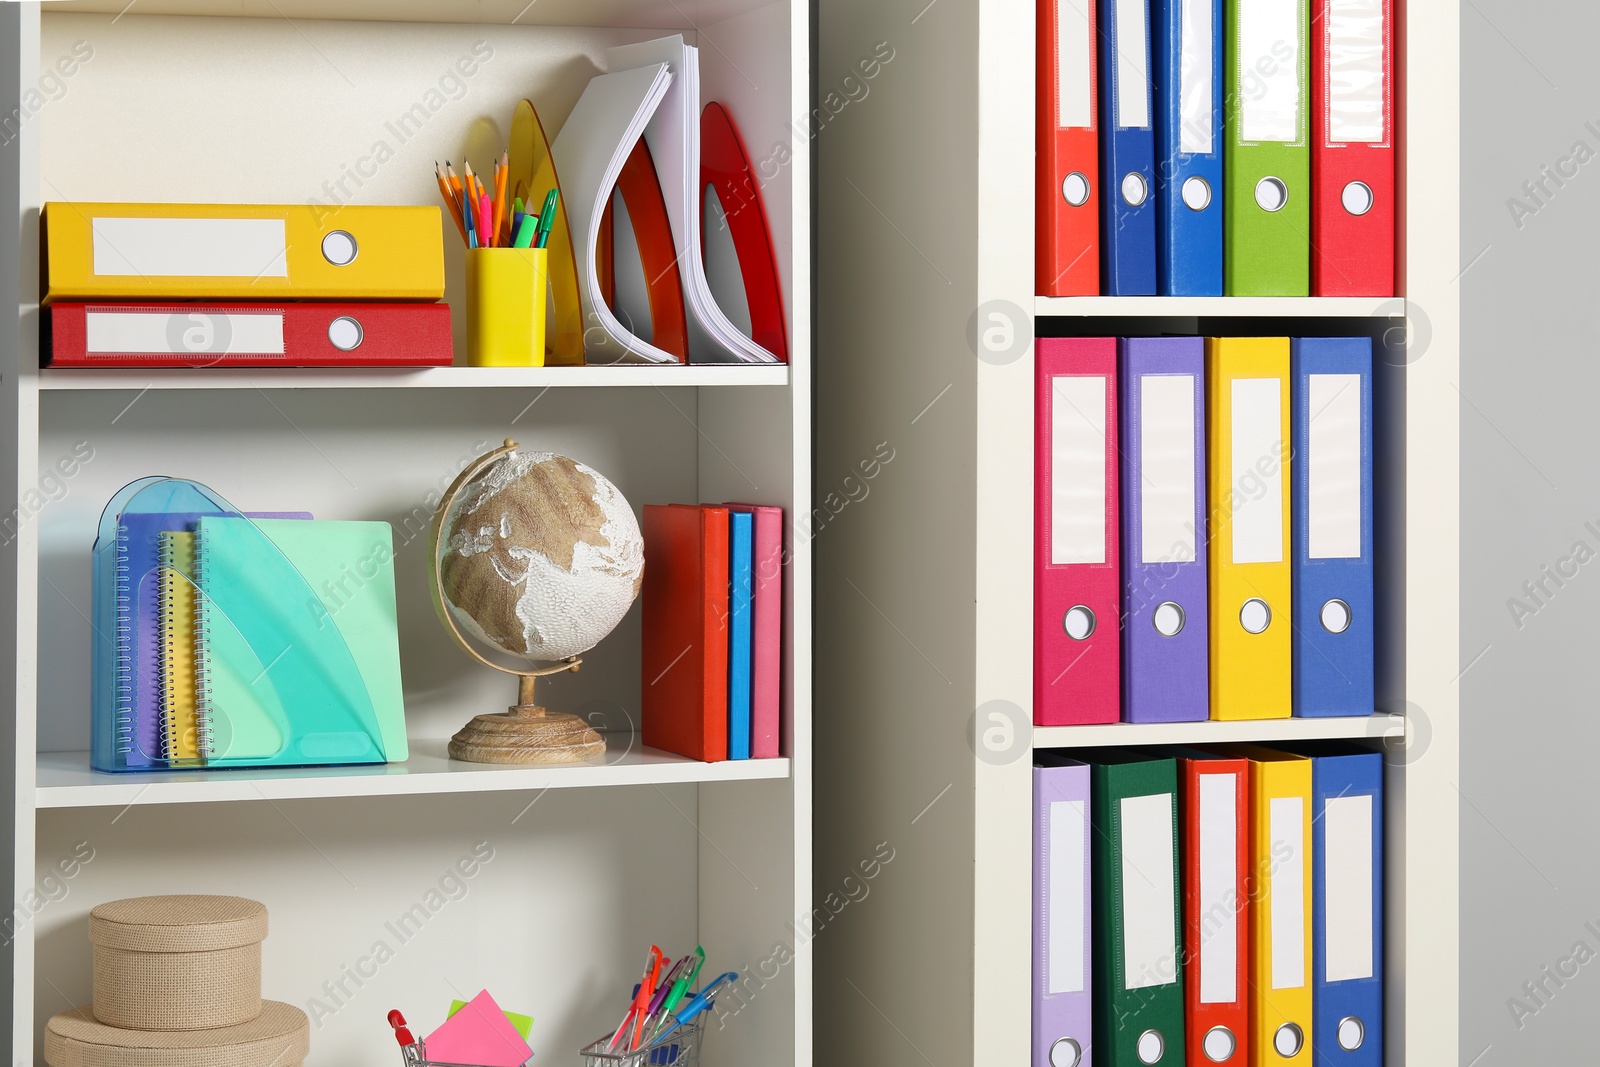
[[414, 1052], [680, 1048]]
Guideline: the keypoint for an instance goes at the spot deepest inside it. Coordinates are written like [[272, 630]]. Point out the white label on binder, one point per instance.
[[1219, 889], [1355, 71], [1196, 109], [1269, 70], [1166, 468], [1133, 64], [1074, 65], [1066, 917], [1077, 469], [1286, 828], [182, 332], [1149, 893], [190, 248], [1347, 887], [1333, 490], [1256, 464]]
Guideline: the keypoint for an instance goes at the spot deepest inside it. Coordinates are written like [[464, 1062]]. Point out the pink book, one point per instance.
[[480, 1034], [767, 645]]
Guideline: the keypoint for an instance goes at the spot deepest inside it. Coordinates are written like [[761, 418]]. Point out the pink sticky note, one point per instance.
[[479, 1034]]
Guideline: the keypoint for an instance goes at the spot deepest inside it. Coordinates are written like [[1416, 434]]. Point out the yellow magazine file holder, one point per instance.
[[532, 174]]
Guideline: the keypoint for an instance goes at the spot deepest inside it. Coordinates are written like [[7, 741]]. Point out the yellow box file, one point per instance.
[[1247, 481], [506, 296], [241, 252]]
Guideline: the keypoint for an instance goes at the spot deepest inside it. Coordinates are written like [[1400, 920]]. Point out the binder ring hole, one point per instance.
[[1255, 616], [1075, 189], [1357, 198], [1287, 1041], [344, 333], [339, 248], [1271, 194], [1134, 188], [1336, 616], [1168, 619], [1196, 194], [1065, 1053], [1351, 1033], [1219, 1044], [1078, 622], [1150, 1046]]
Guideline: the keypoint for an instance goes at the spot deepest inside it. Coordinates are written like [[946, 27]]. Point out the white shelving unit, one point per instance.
[[285, 101], [925, 595]]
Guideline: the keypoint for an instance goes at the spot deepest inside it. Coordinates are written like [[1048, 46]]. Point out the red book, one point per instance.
[[1352, 149], [247, 335], [1215, 846], [684, 680], [1067, 157]]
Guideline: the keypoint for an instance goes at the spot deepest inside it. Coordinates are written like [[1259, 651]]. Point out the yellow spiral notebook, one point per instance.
[[181, 725]]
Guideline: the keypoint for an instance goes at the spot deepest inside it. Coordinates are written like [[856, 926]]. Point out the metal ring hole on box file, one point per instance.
[[1219, 1044], [1288, 1040], [1134, 188], [1255, 616], [1357, 198], [1150, 1046], [1271, 194], [339, 248], [1351, 1033], [1075, 189], [1196, 194], [1065, 1053], [1336, 616], [1168, 619], [344, 333], [1078, 622]]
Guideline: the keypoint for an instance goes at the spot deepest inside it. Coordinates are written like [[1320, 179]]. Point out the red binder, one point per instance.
[[1066, 186], [684, 677], [1216, 929], [1077, 630], [1352, 159], [247, 335]]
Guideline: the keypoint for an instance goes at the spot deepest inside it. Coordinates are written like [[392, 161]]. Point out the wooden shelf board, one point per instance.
[[1206, 733], [704, 374], [1361, 307]]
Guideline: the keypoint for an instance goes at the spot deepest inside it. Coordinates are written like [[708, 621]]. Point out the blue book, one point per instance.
[[1188, 94], [1127, 150], [741, 579], [1331, 489]]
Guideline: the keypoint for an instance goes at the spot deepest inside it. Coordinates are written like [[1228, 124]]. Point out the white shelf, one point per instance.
[[1299, 307], [643, 14], [705, 374], [66, 781], [1212, 733]]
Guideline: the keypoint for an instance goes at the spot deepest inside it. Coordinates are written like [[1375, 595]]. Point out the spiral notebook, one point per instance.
[[182, 728]]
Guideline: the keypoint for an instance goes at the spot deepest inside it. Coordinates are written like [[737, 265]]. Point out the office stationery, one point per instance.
[[1062, 1012], [506, 306], [1266, 155], [531, 171], [621, 1037], [97, 251], [470, 213], [523, 1024], [310, 334], [696, 960], [647, 988], [741, 582], [766, 670], [1352, 154], [1076, 634], [500, 201], [547, 216], [684, 676], [678, 972], [1334, 605], [1067, 155], [1247, 407], [526, 227], [1138, 978], [725, 168], [452, 199], [1189, 179], [478, 1034], [1127, 151], [485, 221], [278, 1037], [180, 724], [1164, 622], [699, 1003]]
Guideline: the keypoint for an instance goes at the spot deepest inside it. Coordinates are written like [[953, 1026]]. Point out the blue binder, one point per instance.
[[1188, 95], [1127, 150], [1331, 487], [741, 578]]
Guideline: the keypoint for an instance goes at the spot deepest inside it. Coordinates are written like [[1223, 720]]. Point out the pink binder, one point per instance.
[[1062, 975], [767, 643]]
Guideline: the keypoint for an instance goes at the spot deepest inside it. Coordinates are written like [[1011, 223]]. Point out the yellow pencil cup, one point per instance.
[[506, 306]]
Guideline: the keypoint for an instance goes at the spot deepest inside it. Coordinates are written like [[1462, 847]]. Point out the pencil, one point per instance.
[[500, 215], [450, 200]]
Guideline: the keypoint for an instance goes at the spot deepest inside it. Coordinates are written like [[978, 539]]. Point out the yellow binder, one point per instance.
[[241, 252], [1247, 481]]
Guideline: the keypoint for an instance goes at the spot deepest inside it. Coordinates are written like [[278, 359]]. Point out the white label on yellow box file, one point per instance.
[[1166, 468], [181, 332], [1347, 887], [190, 248], [1219, 889], [1333, 492], [1066, 906], [1286, 828], [1077, 469], [1149, 892], [1255, 459], [1074, 65]]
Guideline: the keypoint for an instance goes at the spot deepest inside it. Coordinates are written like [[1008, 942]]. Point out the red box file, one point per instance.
[[1067, 183]]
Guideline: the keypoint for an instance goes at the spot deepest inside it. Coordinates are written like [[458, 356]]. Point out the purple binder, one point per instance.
[[1164, 631], [1062, 970]]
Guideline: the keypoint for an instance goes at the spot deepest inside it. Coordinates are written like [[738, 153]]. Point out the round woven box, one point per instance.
[[280, 1036], [178, 962]]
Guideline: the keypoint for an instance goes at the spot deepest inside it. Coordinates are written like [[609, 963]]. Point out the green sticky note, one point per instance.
[[522, 1023]]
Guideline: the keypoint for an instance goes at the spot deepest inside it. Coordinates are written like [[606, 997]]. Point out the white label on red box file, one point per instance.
[[1133, 64], [1149, 892], [1077, 469], [1269, 87], [1219, 889], [1074, 65], [190, 248], [1286, 829], [1347, 887], [1195, 106], [181, 332], [1355, 72], [1333, 492], [1256, 470], [1066, 916], [1166, 468]]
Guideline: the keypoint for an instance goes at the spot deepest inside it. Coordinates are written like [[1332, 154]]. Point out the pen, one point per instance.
[[682, 985], [547, 219], [653, 1013], [485, 221], [647, 989], [472, 230], [526, 228], [652, 962], [698, 1003]]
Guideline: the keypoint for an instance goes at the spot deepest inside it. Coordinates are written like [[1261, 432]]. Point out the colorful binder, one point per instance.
[[1216, 921], [1076, 635], [1352, 156], [1164, 625], [1138, 977], [766, 669], [1067, 182], [1127, 150], [1062, 961], [241, 252], [247, 335], [684, 680], [1247, 407], [1334, 605], [741, 581], [1266, 156], [1188, 95]]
